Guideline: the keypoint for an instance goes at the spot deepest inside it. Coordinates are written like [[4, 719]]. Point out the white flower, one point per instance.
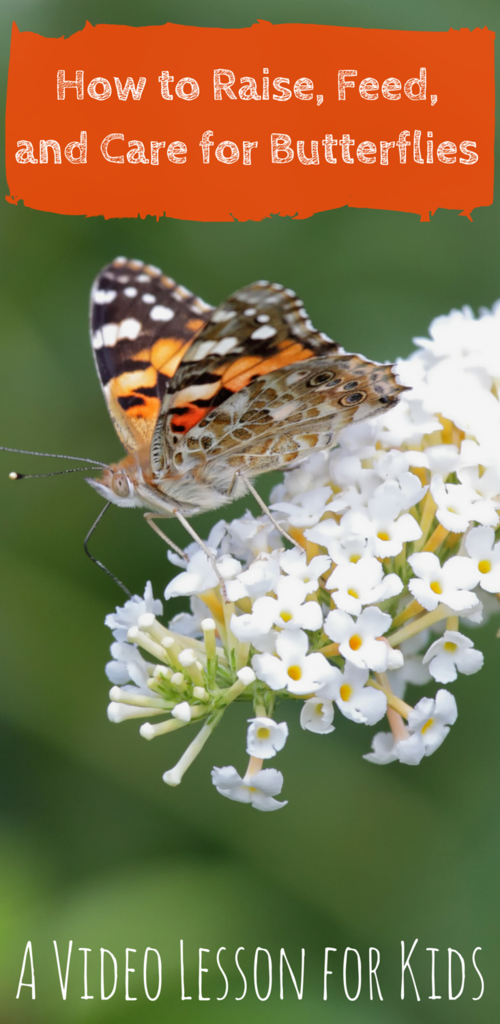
[[308, 507], [128, 615], [288, 610], [482, 550], [261, 576], [360, 641], [360, 703], [431, 719], [128, 665], [317, 715], [458, 505], [443, 459], [295, 564], [384, 524], [200, 576], [354, 585], [450, 584], [350, 549], [258, 790], [325, 532], [293, 669], [450, 653], [265, 738], [383, 749]]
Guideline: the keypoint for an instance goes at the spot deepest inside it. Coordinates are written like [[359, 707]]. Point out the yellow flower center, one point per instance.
[[354, 558], [436, 587], [383, 535], [450, 647], [484, 565], [345, 691], [295, 672], [427, 725], [286, 616], [355, 642], [263, 733], [318, 709], [353, 593]]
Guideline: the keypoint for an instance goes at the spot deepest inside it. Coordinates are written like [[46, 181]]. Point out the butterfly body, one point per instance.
[[205, 399]]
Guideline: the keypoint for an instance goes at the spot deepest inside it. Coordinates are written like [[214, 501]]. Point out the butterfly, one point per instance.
[[205, 399]]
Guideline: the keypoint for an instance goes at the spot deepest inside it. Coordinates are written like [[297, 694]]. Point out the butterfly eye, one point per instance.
[[120, 485], [353, 399], [323, 378]]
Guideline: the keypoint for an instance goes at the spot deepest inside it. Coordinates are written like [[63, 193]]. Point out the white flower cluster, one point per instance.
[[396, 533]]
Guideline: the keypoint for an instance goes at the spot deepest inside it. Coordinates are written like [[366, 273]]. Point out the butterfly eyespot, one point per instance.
[[323, 378], [353, 399], [350, 385], [384, 399], [120, 485]]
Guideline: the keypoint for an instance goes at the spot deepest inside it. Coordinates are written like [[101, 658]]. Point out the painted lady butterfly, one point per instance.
[[204, 399]]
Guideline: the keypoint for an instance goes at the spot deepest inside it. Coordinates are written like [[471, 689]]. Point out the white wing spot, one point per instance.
[[263, 284], [153, 270], [263, 318], [324, 337], [129, 328], [109, 334], [290, 292], [119, 261], [303, 313], [101, 296], [137, 264], [201, 351], [130, 292], [226, 345], [147, 297], [161, 313], [221, 315], [249, 312], [123, 279], [262, 333], [143, 278], [277, 287]]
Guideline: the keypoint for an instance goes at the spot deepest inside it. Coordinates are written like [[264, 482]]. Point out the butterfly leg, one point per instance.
[[204, 547], [149, 517], [270, 516]]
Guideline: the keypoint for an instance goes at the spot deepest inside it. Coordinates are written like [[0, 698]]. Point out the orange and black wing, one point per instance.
[[259, 330], [142, 326]]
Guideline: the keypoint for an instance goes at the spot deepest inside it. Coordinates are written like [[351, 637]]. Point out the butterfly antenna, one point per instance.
[[56, 472], [96, 560], [49, 455]]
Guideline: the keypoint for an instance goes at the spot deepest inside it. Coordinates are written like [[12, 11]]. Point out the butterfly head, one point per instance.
[[118, 484]]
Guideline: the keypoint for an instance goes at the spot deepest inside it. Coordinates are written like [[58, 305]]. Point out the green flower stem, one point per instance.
[[441, 612]]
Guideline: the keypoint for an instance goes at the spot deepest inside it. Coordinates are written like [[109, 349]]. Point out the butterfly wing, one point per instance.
[[142, 325], [259, 388]]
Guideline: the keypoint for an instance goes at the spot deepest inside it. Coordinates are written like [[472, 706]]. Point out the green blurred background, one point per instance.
[[94, 847]]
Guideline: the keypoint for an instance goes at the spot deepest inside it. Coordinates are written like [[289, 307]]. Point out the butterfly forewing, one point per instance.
[[142, 325]]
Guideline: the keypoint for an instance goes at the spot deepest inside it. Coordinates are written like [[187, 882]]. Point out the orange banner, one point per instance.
[[215, 124]]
